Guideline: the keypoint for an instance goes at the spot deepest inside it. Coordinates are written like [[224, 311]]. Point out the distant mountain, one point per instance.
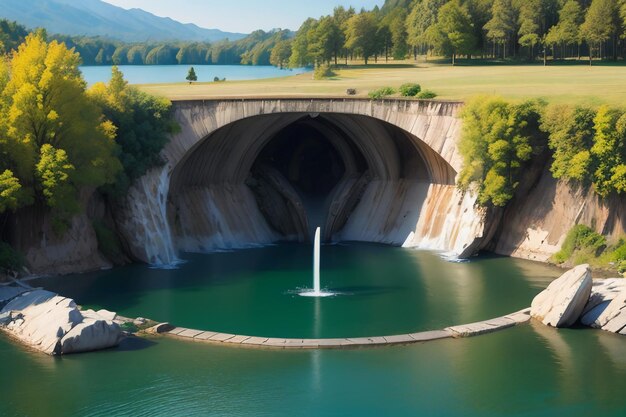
[[97, 18]]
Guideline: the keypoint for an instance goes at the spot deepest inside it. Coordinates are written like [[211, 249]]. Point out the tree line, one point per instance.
[[492, 29], [500, 139]]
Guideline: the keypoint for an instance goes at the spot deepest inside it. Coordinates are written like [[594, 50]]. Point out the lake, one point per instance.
[[159, 74], [529, 370]]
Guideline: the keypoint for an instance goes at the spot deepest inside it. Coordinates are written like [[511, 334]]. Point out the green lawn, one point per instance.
[[578, 84]]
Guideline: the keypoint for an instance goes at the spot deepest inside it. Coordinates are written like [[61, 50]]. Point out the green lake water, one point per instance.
[[529, 370]]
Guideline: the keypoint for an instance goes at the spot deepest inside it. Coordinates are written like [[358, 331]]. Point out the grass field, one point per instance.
[[577, 84]]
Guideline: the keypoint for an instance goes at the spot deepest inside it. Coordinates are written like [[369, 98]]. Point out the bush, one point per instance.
[[108, 242], [10, 259], [581, 239], [323, 71], [351, 91], [381, 93], [410, 89], [426, 95]]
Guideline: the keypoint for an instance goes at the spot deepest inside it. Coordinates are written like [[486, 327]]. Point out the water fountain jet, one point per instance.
[[317, 291]]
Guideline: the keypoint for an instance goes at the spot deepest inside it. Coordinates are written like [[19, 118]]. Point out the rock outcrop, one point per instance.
[[535, 225], [54, 324], [561, 304]]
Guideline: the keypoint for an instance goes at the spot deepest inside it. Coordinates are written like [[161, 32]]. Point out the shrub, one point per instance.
[[351, 91], [410, 89], [381, 93], [323, 71], [10, 259], [426, 95], [581, 239]]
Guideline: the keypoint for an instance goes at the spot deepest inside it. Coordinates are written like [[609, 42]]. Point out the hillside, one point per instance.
[[97, 18]]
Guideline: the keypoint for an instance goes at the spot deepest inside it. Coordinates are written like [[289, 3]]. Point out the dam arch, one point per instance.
[[392, 180]]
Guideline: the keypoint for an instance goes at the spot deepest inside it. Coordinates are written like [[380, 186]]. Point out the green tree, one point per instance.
[[497, 139], [502, 24], [455, 24], [570, 131], [300, 56], [51, 125], [191, 75], [567, 30], [10, 188], [530, 17], [361, 34], [599, 24], [281, 52], [609, 151], [143, 124], [422, 16]]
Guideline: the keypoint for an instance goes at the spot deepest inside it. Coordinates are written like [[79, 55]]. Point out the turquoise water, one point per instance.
[[156, 74], [382, 291], [529, 370], [518, 372]]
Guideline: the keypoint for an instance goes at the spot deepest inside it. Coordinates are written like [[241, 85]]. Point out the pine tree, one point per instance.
[[191, 75]]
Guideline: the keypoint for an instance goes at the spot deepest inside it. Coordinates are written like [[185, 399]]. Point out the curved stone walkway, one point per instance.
[[465, 330]]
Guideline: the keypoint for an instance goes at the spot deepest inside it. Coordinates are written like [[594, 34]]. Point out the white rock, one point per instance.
[[107, 315], [561, 304], [611, 317], [604, 290], [55, 325], [91, 335]]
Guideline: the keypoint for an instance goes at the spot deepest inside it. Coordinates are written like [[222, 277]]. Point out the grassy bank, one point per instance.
[[573, 84]]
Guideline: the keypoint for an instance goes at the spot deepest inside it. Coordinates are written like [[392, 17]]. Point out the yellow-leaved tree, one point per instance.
[[54, 137]]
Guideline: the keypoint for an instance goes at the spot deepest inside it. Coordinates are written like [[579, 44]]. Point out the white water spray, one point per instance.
[[316, 263], [317, 289]]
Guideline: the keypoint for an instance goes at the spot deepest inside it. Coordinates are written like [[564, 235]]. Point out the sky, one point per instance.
[[243, 15]]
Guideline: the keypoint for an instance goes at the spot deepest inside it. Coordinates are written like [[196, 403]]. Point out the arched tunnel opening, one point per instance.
[[276, 177]]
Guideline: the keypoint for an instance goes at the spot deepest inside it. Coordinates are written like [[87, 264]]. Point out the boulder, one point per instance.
[[54, 324], [610, 315], [91, 335], [603, 291], [561, 304]]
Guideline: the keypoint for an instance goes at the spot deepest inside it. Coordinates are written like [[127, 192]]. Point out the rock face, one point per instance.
[[561, 304], [54, 325], [535, 226]]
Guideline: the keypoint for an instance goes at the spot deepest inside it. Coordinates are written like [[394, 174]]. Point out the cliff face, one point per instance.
[[47, 252], [534, 226]]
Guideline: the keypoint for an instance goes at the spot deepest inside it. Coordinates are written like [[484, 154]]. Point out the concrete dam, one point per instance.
[[247, 172]]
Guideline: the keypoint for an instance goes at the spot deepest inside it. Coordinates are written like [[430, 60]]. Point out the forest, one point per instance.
[[499, 30]]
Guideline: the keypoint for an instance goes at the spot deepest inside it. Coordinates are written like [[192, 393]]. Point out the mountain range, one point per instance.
[[97, 18]]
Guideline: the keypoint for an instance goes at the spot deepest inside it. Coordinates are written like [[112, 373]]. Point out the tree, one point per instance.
[[531, 14], [599, 24], [497, 139], [571, 133], [9, 191], [361, 34], [567, 30], [300, 56], [609, 151], [281, 52], [502, 24], [455, 24], [142, 124], [52, 126], [191, 75], [423, 15]]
